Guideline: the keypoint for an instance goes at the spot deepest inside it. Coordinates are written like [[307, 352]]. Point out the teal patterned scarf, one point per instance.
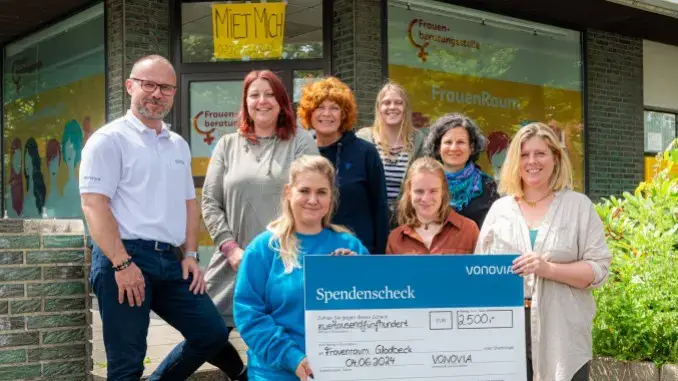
[[464, 185]]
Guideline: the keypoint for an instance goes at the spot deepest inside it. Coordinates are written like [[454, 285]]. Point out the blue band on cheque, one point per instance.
[[397, 282]]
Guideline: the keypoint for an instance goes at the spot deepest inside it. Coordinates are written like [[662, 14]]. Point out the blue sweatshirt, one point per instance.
[[268, 304], [362, 205]]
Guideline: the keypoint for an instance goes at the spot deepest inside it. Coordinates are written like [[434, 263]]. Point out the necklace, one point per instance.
[[427, 224], [533, 204], [264, 147], [391, 155]]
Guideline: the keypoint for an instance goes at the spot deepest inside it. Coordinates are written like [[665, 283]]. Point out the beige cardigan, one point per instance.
[[561, 316]]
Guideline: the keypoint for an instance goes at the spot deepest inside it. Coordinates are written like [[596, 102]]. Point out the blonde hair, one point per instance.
[[284, 239], [511, 182], [406, 213], [406, 129]]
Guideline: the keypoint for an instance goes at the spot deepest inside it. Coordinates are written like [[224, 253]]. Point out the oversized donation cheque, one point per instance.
[[414, 318]]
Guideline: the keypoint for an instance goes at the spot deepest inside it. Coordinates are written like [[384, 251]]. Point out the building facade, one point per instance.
[[600, 73]]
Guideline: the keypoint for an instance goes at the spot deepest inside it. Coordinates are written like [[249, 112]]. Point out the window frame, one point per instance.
[[539, 19], [47, 24], [663, 111], [287, 67], [323, 63]]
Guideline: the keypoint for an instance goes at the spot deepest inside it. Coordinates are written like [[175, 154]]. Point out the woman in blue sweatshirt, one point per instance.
[[268, 304], [328, 107]]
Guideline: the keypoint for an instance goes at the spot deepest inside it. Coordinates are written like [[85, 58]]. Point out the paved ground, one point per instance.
[[161, 339]]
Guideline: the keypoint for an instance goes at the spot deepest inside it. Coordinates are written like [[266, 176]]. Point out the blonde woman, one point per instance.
[[563, 252], [269, 302], [395, 137], [428, 224]]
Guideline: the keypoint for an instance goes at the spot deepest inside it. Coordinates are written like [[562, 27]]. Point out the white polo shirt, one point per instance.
[[147, 177]]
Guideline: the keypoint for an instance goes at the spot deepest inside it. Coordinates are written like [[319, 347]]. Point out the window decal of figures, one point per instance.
[[42, 173]]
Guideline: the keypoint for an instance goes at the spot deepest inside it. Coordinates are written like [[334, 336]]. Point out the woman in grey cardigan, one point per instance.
[[563, 252], [397, 141], [244, 183]]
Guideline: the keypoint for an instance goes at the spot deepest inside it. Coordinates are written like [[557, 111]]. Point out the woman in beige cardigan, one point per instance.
[[564, 253], [399, 144]]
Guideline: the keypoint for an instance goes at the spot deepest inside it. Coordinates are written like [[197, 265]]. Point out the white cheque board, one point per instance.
[[414, 318]]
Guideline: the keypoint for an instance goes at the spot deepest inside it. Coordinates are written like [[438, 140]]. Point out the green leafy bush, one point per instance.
[[637, 316]]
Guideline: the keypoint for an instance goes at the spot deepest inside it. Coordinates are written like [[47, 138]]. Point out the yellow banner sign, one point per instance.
[[248, 31]]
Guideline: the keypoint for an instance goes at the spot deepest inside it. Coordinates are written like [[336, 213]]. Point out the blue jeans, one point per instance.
[[125, 328]]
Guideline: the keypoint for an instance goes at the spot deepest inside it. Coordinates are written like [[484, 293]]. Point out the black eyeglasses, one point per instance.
[[150, 86]]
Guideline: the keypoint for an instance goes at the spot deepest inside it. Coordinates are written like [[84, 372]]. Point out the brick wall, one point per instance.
[[135, 28], [615, 113], [356, 52], [44, 315]]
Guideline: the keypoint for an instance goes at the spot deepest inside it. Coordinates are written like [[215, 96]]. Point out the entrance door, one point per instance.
[[209, 109]]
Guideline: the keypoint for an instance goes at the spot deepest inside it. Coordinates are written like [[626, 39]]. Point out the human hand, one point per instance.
[[342, 252], [304, 371], [234, 258], [530, 263], [190, 266], [131, 282]]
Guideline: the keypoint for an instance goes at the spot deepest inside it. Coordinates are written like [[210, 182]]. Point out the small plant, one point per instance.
[[637, 316]]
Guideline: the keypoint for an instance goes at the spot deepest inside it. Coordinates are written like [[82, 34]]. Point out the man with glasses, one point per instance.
[[138, 198]]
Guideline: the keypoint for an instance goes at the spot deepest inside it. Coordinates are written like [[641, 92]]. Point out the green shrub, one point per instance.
[[637, 316]]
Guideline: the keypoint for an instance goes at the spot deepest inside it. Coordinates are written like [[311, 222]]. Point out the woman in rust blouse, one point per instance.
[[428, 224]]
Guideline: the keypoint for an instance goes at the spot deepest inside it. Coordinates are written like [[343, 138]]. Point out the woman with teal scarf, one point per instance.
[[456, 142]]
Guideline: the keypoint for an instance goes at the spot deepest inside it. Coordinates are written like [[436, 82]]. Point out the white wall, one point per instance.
[[660, 75]]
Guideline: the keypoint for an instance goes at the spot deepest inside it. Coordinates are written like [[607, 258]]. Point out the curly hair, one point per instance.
[[477, 140], [330, 88]]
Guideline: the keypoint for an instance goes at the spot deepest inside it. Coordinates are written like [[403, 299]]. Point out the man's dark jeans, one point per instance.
[[125, 328]]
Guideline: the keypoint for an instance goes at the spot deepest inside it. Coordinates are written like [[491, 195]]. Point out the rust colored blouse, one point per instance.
[[458, 235]]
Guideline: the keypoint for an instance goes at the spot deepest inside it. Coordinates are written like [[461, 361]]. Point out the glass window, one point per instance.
[[54, 97], [501, 72], [302, 27], [214, 107], [301, 78], [660, 130]]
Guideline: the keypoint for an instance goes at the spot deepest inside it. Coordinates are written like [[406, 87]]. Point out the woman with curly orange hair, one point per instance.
[[328, 107]]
